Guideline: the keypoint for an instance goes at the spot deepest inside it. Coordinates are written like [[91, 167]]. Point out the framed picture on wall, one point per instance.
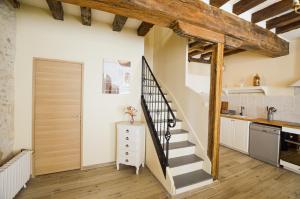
[[116, 76]]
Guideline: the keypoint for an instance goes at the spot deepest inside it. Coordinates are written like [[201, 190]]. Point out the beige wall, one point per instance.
[[281, 71], [170, 67], [39, 35]]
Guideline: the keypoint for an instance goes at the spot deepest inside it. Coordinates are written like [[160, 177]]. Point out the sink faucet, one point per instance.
[[242, 113], [271, 110]]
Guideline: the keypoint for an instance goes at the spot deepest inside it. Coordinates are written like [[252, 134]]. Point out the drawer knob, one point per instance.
[[127, 145], [126, 153], [126, 160], [127, 131], [127, 138]]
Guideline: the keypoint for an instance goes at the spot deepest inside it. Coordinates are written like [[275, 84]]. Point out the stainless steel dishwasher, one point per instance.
[[264, 143]]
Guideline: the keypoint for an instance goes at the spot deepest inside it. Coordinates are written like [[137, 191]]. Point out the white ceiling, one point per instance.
[[134, 24]]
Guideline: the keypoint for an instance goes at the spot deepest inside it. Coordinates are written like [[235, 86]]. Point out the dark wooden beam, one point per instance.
[[245, 5], [86, 16], [199, 60], [288, 28], [164, 13], [218, 3], [272, 10], [216, 73], [119, 23], [283, 20], [144, 28], [56, 9], [15, 3]]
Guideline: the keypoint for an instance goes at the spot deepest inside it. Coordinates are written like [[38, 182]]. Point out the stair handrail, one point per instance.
[[173, 120], [159, 122]]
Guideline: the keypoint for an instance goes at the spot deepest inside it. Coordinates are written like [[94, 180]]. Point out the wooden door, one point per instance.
[[57, 99]]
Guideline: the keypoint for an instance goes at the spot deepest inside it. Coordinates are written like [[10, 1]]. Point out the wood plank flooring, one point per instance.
[[241, 177]]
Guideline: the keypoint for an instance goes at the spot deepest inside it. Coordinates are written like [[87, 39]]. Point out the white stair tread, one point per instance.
[[184, 160], [176, 145], [191, 178]]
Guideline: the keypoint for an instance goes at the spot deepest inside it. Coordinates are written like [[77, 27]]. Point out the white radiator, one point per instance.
[[14, 175]]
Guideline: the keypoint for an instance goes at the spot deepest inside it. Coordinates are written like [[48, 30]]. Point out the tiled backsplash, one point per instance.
[[288, 107]]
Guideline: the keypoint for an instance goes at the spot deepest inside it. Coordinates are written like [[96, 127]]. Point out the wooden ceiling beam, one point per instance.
[[86, 16], [245, 5], [272, 10], [287, 28], [162, 13], [283, 20], [56, 9], [144, 28], [119, 22], [218, 3], [15, 3], [200, 60]]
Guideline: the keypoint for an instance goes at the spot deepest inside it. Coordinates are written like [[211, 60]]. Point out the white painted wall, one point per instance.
[[281, 71], [39, 35]]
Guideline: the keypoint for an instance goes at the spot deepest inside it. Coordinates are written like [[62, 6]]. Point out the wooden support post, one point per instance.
[[215, 108]]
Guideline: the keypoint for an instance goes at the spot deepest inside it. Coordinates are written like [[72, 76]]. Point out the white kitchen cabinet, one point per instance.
[[131, 144], [235, 134]]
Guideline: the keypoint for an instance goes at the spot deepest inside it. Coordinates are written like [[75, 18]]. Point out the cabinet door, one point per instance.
[[241, 135], [227, 131]]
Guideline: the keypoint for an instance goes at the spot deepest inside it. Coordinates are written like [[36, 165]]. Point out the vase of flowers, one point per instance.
[[131, 111]]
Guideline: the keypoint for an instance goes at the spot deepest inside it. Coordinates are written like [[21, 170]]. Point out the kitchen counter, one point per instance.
[[264, 121]]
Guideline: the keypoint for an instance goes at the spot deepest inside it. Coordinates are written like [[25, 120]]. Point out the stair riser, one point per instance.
[[178, 126], [181, 152], [186, 168], [194, 186], [178, 138]]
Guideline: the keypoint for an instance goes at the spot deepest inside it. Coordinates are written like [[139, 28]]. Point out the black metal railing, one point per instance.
[[158, 113]]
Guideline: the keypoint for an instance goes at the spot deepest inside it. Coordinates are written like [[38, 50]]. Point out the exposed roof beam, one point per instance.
[[218, 3], [287, 28], [245, 5], [86, 16], [200, 60], [272, 10], [14, 3], [144, 28], [119, 23], [164, 13], [283, 20], [56, 9]]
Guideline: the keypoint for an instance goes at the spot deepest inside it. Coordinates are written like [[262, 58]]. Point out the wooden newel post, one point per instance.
[[215, 107]]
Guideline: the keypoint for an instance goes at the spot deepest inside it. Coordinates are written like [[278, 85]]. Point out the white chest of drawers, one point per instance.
[[130, 144]]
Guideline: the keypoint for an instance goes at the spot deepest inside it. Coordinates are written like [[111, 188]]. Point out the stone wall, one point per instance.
[[7, 58]]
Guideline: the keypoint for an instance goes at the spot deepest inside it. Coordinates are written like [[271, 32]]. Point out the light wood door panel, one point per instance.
[[57, 116]]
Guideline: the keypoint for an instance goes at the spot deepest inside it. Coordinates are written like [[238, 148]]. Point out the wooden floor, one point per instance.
[[241, 177]]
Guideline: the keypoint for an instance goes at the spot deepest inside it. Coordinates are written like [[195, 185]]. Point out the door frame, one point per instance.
[[35, 59]]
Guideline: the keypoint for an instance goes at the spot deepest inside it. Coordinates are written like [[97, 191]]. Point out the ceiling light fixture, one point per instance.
[[297, 6]]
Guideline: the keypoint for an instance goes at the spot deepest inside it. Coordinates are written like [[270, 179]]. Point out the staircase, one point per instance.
[[171, 141]]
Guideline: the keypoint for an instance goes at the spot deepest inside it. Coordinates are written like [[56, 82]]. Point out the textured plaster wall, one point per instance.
[[7, 57]]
